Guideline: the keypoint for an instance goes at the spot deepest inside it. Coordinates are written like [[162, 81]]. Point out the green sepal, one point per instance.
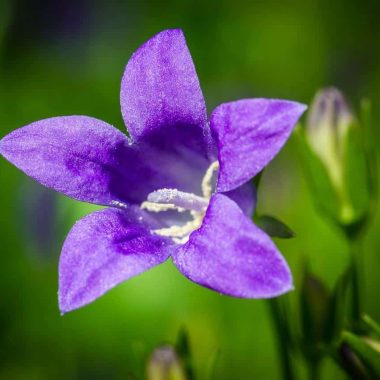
[[346, 204], [356, 175], [274, 227], [323, 192]]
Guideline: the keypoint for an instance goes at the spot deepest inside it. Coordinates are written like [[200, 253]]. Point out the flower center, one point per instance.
[[173, 199]]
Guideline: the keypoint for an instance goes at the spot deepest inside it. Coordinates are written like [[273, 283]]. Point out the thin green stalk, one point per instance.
[[282, 338], [355, 235], [356, 263]]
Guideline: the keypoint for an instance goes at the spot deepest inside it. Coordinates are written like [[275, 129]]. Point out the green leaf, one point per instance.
[[337, 307], [274, 227], [284, 336], [314, 309], [364, 348]]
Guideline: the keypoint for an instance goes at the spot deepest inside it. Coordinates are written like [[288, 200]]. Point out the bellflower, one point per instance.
[[178, 186]]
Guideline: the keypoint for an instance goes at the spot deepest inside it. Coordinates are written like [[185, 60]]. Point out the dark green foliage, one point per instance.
[[274, 227]]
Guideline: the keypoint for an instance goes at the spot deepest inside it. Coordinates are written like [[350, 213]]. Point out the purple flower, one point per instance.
[[177, 187]]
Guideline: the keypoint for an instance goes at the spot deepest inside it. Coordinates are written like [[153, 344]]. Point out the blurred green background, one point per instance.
[[67, 57]]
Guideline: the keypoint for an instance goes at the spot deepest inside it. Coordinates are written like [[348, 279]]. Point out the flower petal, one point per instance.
[[104, 249], [89, 160], [160, 87], [249, 133], [180, 156], [229, 254], [75, 155], [246, 198]]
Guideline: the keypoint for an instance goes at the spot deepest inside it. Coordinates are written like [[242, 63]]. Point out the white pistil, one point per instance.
[[173, 199], [158, 207]]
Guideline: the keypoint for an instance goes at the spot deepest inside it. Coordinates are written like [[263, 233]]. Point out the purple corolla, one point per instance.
[[177, 187]]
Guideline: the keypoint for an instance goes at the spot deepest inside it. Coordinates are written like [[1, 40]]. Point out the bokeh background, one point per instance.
[[67, 57]]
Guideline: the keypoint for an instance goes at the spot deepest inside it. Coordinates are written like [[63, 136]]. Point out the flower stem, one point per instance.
[[356, 258], [282, 337]]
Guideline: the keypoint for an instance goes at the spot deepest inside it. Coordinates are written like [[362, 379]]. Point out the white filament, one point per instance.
[[173, 199], [158, 207], [207, 180]]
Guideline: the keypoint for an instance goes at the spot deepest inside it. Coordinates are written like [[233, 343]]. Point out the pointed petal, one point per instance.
[[160, 87], [89, 160], [229, 254], [163, 105], [246, 198], [75, 155], [249, 133], [104, 249]]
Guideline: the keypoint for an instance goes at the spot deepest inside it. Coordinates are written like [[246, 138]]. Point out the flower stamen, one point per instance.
[[173, 199], [158, 207], [187, 201], [207, 180], [180, 234]]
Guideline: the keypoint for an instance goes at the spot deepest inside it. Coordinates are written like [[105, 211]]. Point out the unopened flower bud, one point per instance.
[[360, 355], [328, 122], [164, 364], [352, 363], [337, 159]]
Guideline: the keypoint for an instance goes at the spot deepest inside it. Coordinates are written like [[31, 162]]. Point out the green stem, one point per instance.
[[282, 337], [356, 261]]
